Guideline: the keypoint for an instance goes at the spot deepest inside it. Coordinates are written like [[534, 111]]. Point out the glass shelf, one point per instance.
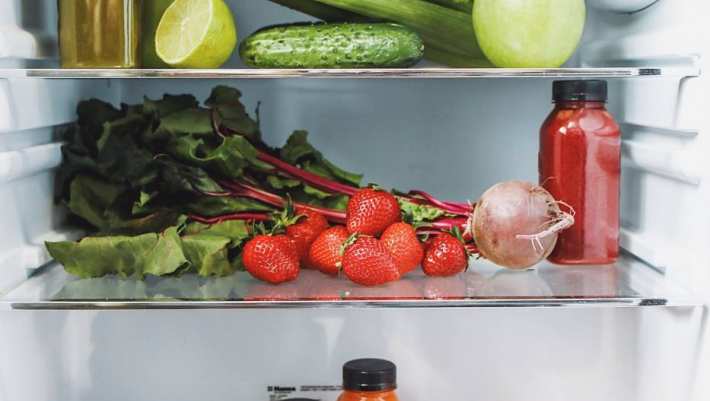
[[620, 72], [628, 283]]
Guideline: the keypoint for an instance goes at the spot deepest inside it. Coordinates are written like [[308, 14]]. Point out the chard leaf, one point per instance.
[[90, 199], [235, 230], [315, 192], [418, 214], [211, 206], [169, 104], [207, 254], [177, 177], [119, 156], [154, 222], [232, 114], [207, 247], [141, 205], [195, 121], [155, 254], [277, 182], [298, 151], [92, 115], [229, 159]]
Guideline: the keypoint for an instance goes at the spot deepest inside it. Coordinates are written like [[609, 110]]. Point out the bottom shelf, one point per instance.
[[629, 282]]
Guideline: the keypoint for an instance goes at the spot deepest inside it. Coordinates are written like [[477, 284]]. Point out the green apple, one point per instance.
[[152, 13], [528, 33]]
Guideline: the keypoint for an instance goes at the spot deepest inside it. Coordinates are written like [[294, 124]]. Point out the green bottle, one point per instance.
[[152, 13]]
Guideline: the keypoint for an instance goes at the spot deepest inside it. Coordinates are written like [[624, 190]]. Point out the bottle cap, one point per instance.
[[369, 375], [579, 90]]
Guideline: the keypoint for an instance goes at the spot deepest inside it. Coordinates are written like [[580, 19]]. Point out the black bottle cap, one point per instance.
[[369, 375], [579, 90]]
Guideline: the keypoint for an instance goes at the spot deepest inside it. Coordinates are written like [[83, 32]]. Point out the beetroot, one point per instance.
[[516, 224]]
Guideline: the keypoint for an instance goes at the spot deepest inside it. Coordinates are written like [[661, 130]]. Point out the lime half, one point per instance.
[[196, 34]]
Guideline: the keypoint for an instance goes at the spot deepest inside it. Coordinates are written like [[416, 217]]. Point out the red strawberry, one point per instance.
[[371, 211], [325, 253], [305, 231], [445, 256], [401, 241], [367, 262], [271, 258]]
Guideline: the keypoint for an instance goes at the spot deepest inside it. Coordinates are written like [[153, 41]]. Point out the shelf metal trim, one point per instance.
[[470, 303], [373, 73]]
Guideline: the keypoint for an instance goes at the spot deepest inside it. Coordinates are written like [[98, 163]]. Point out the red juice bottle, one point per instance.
[[580, 165], [369, 380]]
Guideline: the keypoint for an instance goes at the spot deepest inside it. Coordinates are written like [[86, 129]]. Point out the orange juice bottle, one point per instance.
[[369, 380]]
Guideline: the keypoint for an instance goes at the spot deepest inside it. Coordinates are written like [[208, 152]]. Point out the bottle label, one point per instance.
[[303, 392]]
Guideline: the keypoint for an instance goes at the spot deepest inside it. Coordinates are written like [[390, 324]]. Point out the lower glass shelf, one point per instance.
[[626, 283]]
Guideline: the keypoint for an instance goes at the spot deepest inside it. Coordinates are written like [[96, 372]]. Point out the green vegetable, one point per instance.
[[137, 177], [342, 45], [156, 254], [445, 31], [322, 12], [461, 5]]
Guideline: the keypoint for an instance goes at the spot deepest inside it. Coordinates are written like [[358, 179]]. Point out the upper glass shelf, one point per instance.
[[620, 72], [629, 283]]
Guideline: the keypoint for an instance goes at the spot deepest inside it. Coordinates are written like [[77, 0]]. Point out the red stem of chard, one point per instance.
[[312, 179], [450, 207], [248, 191], [328, 185], [232, 216]]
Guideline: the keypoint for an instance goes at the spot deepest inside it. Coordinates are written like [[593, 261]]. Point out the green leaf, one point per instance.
[[196, 121], [208, 254], [176, 177], [154, 222], [298, 151], [207, 247], [92, 115], [232, 114], [236, 230], [141, 205], [315, 192], [169, 104], [344, 175], [418, 214], [156, 254], [229, 159], [277, 182], [90, 199], [119, 156], [211, 206]]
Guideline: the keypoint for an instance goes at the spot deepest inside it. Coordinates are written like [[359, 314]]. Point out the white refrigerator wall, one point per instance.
[[519, 354], [452, 137]]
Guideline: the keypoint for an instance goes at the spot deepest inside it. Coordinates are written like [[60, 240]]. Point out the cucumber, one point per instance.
[[343, 45]]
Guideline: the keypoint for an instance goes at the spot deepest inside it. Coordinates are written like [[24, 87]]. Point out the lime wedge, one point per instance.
[[196, 34]]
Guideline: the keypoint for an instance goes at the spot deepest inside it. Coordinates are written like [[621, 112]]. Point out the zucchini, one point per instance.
[[344, 45]]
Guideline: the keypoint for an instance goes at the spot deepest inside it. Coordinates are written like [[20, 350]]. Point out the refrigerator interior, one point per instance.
[[452, 137]]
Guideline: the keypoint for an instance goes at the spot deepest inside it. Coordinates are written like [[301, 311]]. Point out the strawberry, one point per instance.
[[271, 258], [371, 211], [305, 231], [367, 262], [325, 253], [401, 241], [445, 256]]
